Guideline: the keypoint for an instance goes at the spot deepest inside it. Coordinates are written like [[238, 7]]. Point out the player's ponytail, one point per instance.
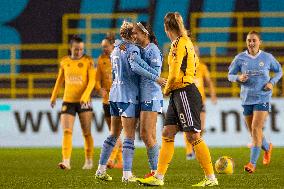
[[174, 22]]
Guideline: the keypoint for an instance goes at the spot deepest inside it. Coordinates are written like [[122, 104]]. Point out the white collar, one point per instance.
[[251, 56]]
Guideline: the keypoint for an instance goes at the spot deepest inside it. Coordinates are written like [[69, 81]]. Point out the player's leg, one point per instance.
[[67, 119], [86, 121], [109, 143], [167, 148], [129, 126], [112, 159], [189, 105], [148, 121], [258, 121], [190, 155]]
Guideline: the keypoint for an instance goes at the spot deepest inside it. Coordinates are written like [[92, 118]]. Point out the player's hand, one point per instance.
[[103, 92], [214, 99], [162, 81], [243, 78], [52, 104], [268, 86]]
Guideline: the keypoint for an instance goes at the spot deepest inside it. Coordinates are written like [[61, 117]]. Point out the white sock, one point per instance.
[[127, 174], [211, 177], [89, 161], [66, 161], [102, 168], [159, 176]]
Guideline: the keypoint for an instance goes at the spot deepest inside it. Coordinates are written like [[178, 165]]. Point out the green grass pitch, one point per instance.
[[37, 168]]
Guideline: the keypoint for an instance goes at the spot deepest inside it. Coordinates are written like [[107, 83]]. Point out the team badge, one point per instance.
[[261, 64], [64, 108], [80, 64]]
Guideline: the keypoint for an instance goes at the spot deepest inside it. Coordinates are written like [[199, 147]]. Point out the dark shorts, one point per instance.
[[106, 108], [184, 109], [124, 109], [249, 109], [73, 108]]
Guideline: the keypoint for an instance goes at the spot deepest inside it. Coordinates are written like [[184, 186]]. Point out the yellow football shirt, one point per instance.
[[78, 76], [104, 76], [182, 62]]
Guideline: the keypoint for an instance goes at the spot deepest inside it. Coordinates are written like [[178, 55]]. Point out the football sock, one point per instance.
[[254, 154], [203, 156], [108, 145], [89, 146], [188, 146], [113, 153], [265, 144], [153, 154], [67, 144], [128, 153], [165, 156]]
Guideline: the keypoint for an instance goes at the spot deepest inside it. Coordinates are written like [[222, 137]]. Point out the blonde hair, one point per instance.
[[173, 22], [126, 30]]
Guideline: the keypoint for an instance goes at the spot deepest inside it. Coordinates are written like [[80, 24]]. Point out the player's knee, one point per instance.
[[67, 132], [169, 133], [87, 134], [192, 136]]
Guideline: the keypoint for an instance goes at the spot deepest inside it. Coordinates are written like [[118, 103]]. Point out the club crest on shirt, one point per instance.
[[64, 108], [80, 65], [261, 64]]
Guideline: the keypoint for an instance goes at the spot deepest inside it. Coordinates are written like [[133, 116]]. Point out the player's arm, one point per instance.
[[234, 69], [91, 83], [138, 69], [210, 85], [57, 87], [136, 59], [98, 75], [178, 52], [276, 68]]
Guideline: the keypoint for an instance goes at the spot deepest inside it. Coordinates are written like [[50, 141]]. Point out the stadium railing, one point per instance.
[[12, 83]]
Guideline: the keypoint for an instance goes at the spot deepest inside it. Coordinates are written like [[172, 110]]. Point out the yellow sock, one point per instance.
[[165, 155], [113, 154], [188, 146], [203, 156], [119, 153], [89, 146], [67, 144]]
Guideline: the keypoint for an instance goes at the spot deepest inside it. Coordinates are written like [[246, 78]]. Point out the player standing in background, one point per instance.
[[124, 102], [151, 97], [185, 104], [77, 71], [256, 91], [103, 84], [201, 80]]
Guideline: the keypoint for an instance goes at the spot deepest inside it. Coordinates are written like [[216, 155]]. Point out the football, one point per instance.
[[224, 165]]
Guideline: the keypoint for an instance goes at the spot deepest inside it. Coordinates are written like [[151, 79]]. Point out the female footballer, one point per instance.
[[77, 72], [185, 104], [254, 66]]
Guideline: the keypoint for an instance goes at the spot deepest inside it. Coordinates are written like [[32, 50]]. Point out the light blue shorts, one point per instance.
[[152, 106], [124, 109]]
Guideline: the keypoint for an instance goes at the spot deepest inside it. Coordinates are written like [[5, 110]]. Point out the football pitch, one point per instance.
[[37, 168]]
